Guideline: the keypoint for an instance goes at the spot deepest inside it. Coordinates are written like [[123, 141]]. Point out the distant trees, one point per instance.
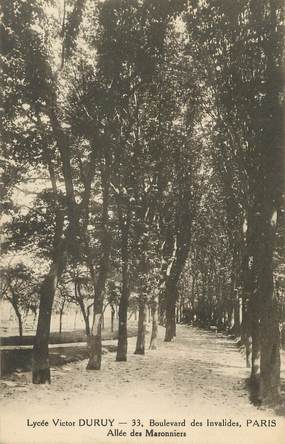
[[242, 45], [18, 287]]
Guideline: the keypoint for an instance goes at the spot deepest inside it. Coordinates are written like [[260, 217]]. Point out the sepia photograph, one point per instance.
[[142, 285]]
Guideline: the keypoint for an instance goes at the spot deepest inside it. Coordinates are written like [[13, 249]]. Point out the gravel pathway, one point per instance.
[[198, 377]]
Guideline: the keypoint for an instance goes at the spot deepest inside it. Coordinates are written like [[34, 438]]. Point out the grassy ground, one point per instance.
[[55, 338], [65, 348]]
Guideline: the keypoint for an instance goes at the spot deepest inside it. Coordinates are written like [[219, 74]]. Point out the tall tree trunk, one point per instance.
[[248, 286], [41, 368], [95, 339], [270, 355], [64, 151], [170, 325], [248, 350], [154, 330], [177, 315], [123, 311], [237, 321], [161, 310], [40, 361], [143, 307], [246, 339], [60, 321], [140, 345], [252, 295], [124, 301], [255, 356], [254, 319], [269, 325], [272, 195], [179, 256]]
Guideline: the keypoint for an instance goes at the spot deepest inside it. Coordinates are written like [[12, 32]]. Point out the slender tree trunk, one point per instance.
[[270, 356], [255, 357], [64, 151], [248, 286], [140, 345], [161, 311], [80, 301], [122, 330], [253, 246], [95, 339], [112, 317], [20, 322], [85, 318], [61, 310], [246, 339], [254, 323], [248, 350], [154, 330], [123, 313], [124, 301], [60, 321], [181, 309], [170, 326], [19, 318], [177, 315], [237, 321]]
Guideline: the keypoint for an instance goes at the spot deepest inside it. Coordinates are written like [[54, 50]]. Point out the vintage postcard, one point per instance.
[[142, 227]]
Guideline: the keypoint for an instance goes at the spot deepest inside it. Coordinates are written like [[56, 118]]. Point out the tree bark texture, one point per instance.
[[154, 329], [140, 344], [180, 248], [170, 324], [40, 363], [95, 339], [124, 300], [269, 325]]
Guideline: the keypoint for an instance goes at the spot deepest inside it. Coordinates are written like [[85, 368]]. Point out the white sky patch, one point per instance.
[[179, 25]]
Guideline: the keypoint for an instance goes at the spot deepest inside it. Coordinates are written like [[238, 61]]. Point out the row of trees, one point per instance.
[[151, 133]]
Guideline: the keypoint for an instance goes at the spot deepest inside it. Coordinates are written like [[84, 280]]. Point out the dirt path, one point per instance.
[[200, 376]]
